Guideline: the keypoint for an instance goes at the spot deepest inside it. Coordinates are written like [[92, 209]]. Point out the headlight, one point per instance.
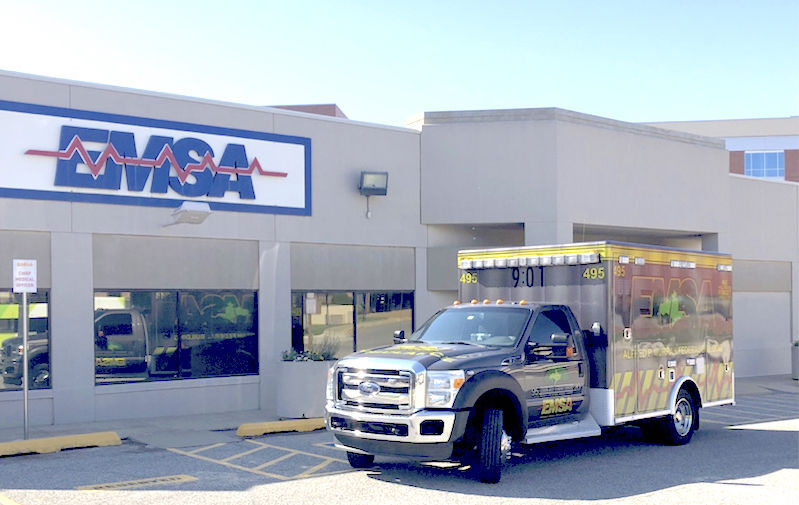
[[442, 387], [329, 393]]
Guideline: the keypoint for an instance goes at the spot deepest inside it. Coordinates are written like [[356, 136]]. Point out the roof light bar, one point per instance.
[[589, 258], [525, 261]]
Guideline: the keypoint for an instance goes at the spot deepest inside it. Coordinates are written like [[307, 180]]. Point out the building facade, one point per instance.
[[184, 246]]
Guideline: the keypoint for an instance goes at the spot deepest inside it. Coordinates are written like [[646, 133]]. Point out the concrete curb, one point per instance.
[[301, 425], [54, 444]]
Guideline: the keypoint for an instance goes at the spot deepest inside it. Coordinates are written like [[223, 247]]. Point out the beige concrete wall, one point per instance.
[[488, 167], [764, 219], [336, 267], [24, 245], [737, 127], [640, 178], [340, 151], [129, 262]]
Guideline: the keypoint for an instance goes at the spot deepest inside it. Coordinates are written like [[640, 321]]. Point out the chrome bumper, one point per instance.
[[356, 424]]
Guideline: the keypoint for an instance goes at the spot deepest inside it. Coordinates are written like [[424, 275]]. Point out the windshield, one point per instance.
[[494, 326]]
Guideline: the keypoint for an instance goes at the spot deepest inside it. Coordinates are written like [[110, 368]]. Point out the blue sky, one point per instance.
[[384, 61]]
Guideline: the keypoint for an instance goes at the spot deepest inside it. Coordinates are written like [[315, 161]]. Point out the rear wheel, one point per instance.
[[360, 460], [677, 428], [491, 450]]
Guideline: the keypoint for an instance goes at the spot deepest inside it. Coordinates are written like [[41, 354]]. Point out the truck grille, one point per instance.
[[374, 389]]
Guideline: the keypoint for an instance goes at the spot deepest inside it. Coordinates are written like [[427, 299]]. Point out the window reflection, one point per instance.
[[11, 365], [149, 335], [348, 321]]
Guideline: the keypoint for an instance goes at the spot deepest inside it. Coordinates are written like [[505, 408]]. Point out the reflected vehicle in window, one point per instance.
[[161, 335], [38, 342]]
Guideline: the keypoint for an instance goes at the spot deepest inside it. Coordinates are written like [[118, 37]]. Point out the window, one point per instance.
[[339, 323], [548, 323], [152, 335], [38, 340], [494, 326], [379, 315], [770, 164]]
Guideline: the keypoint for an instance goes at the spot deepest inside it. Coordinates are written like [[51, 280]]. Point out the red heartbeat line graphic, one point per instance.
[[165, 155]]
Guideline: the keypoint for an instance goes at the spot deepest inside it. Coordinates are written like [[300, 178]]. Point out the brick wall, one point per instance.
[[792, 165], [737, 162]]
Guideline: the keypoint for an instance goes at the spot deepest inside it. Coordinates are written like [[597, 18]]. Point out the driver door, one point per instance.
[[554, 371]]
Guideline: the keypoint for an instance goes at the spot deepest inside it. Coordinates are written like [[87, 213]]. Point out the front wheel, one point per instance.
[[360, 460], [491, 447], [40, 376]]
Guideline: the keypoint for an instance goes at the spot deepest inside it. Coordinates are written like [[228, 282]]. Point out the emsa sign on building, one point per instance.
[[53, 153]]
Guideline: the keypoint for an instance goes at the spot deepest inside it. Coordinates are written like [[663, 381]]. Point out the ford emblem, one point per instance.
[[368, 388]]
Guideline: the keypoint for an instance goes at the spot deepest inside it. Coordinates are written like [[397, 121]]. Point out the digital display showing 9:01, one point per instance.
[[523, 277]]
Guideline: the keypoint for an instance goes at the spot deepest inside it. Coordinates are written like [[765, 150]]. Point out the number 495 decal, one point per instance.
[[594, 273]]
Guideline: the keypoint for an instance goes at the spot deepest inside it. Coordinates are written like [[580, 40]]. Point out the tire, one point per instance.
[[489, 465], [360, 460], [676, 429], [40, 376]]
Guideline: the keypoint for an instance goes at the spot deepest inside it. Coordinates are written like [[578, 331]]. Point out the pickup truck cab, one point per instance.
[[470, 381]]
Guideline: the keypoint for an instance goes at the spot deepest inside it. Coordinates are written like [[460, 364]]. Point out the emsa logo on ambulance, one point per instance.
[[187, 156]]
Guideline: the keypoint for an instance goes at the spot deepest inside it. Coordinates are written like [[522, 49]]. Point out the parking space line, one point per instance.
[[781, 401], [312, 471], [734, 416], [758, 409], [706, 420], [212, 446], [133, 484], [229, 465], [277, 460], [297, 451], [245, 453]]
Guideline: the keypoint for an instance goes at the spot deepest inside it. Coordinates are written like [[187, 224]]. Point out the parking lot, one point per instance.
[[744, 454]]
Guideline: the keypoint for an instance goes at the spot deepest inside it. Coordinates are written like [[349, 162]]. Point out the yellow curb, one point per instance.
[[258, 429], [53, 444]]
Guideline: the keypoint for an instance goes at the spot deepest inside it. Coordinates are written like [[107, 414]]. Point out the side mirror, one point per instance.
[[399, 337], [554, 349]]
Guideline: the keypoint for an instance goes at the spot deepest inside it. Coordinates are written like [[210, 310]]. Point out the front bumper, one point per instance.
[[424, 434], [11, 368]]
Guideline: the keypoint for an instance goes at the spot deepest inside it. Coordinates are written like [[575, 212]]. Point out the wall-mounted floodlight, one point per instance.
[[191, 213], [373, 183]]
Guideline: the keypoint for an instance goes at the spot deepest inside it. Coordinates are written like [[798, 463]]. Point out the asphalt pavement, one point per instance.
[[176, 432]]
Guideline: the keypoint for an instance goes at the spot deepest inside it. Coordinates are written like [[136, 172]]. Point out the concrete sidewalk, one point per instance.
[[206, 429], [173, 431]]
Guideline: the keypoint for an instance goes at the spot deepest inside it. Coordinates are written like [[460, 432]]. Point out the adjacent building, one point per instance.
[[184, 246]]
